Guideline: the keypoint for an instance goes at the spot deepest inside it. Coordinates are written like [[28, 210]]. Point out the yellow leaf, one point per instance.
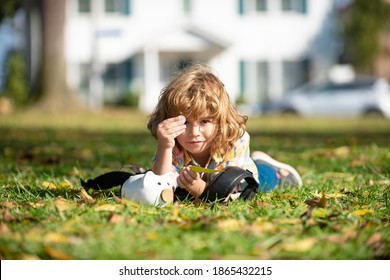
[[342, 151], [28, 257], [362, 212], [54, 237], [321, 212], [288, 221], [303, 245], [67, 184], [152, 235], [109, 207], [323, 201], [331, 195], [49, 185], [56, 254], [63, 204], [260, 227], [197, 168], [37, 204], [230, 225], [86, 197], [175, 212]]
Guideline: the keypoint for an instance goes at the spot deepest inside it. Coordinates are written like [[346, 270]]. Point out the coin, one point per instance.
[[167, 195]]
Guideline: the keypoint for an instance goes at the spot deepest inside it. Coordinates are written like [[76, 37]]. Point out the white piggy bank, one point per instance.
[[150, 188]]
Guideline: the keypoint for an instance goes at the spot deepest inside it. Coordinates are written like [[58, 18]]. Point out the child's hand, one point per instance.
[[169, 129], [191, 182]]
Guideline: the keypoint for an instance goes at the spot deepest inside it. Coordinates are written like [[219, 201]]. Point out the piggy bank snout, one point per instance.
[[167, 195]]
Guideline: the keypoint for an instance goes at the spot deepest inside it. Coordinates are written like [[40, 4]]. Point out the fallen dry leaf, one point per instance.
[[333, 238], [4, 229], [318, 201], [49, 185], [285, 221], [261, 228], [375, 240], [56, 254], [321, 212], [302, 245], [62, 205], [7, 204], [67, 184], [362, 212], [54, 237], [86, 197], [342, 151], [37, 204], [28, 257], [331, 195], [109, 207], [116, 219], [230, 225]]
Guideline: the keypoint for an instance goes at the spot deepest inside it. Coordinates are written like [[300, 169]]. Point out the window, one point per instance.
[[187, 6], [298, 6], [261, 5], [295, 73], [117, 7], [253, 81], [262, 80], [84, 6], [252, 6], [117, 79]]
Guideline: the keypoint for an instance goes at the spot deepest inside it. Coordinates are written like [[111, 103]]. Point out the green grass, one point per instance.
[[43, 214]]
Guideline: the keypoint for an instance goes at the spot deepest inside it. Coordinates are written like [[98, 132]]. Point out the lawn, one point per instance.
[[341, 212]]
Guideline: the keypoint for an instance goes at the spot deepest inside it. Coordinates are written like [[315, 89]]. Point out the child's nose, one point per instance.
[[194, 129]]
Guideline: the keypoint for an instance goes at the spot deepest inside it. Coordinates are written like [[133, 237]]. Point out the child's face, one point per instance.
[[198, 137]]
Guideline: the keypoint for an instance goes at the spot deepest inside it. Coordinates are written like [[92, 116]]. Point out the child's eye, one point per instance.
[[206, 121]]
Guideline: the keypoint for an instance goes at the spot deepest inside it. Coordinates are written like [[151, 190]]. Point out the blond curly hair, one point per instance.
[[194, 91]]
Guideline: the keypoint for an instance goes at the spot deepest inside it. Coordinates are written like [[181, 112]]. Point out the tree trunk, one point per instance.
[[56, 94]]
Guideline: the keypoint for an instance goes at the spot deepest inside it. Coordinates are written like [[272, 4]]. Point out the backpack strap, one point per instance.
[[106, 180], [224, 183], [111, 179]]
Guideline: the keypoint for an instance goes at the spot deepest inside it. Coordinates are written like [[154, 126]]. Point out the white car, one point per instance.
[[363, 96]]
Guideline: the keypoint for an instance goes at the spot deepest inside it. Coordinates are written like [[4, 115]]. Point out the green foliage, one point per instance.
[[365, 20], [8, 8], [16, 83], [129, 99], [341, 212]]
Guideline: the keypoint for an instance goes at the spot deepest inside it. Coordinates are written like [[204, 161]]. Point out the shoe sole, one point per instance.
[[266, 159]]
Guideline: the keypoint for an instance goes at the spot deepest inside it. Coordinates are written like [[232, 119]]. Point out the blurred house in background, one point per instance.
[[259, 48], [120, 51]]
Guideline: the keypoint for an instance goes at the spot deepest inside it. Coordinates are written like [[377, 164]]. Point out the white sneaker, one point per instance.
[[287, 174]]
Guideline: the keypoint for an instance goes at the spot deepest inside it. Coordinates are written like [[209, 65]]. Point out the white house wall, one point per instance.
[[272, 36]]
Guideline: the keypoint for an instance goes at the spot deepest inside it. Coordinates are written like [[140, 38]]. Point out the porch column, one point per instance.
[[152, 89]]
